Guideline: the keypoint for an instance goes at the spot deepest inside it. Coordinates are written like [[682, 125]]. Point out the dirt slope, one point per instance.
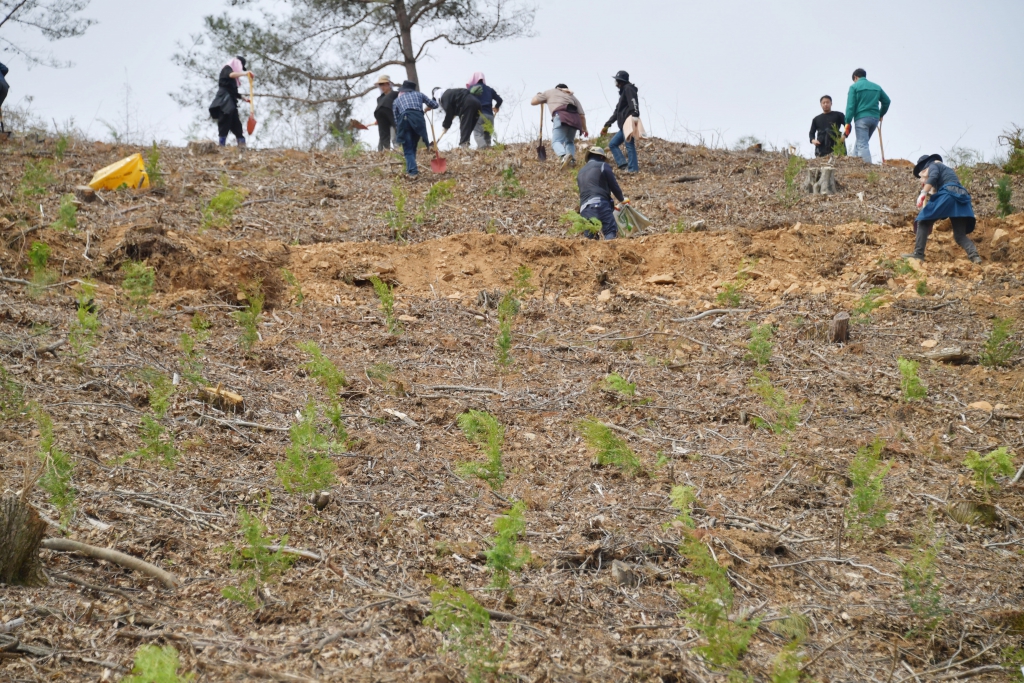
[[598, 600]]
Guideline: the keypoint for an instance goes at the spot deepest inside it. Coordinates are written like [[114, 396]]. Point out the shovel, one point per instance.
[[251, 123], [355, 125], [882, 146], [438, 164], [542, 152]]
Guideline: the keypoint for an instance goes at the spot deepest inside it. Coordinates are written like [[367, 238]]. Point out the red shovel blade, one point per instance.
[[251, 124], [439, 164]]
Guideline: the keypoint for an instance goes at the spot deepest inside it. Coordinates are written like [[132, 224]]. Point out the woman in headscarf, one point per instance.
[[946, 198], [490, 104], [225, 106]]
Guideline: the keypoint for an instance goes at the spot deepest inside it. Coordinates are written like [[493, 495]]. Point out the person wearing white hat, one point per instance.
[[384, 114]]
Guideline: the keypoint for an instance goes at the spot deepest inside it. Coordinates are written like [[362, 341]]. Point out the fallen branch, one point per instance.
[[827, 648], [455, 387], [129, 562], [713, 311], [288, 550]]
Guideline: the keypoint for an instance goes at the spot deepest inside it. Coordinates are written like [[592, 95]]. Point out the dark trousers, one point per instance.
[[960, 225], [4, 88], [230, 124], [605, 213], [412, 128], [387, 135], [468, 116]]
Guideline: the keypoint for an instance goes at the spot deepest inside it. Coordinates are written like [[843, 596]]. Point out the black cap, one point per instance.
[[923, 162], [622, 76], [409, 86], [243, 60], [562, 85]]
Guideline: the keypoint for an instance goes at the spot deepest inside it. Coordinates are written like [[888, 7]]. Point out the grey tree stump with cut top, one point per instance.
[[820, 181]]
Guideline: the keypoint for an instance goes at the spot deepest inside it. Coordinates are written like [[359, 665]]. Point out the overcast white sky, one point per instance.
[[726, 68]]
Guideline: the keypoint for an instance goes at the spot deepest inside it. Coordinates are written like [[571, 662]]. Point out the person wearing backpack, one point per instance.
[[224, 107]]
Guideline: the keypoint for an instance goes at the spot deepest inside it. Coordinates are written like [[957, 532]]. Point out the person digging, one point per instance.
[[224, 107], [464, 104], [597, 184], [412, 126], [946, 198]]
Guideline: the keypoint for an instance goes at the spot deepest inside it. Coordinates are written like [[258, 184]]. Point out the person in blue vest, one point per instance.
[[412, 127], [597, 185], [946, 198], [490, 104]]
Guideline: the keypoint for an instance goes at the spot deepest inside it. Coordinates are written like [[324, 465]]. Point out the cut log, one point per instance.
[[839, 332], [21, 532], [222, 398], [118, 558], [948, 354]]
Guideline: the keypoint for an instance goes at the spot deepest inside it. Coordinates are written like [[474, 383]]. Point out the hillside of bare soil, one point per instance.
[[750, 479]]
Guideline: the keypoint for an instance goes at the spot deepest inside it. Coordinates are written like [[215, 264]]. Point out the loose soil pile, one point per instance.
[[598, 600]]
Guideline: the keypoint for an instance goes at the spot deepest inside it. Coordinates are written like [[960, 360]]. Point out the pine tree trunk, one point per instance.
[[21, 531], [405, 37]]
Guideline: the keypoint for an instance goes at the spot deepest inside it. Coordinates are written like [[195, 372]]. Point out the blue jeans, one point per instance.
[[563, 138], [865, 129], [412, 128], [604, 212], [620, 160]]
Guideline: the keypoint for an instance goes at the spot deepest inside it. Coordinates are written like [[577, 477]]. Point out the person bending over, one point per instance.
[[462, 103], [567, 119], [946, 198], [597, 185]]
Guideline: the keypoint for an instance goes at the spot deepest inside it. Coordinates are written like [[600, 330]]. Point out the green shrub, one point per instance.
[[307, 466], [157, 443], [999, 348], [296, 287], [256, 562], [1004, 196], [67, 214], [783, 416], [921, 287], [509, 187], [987, 467], [760, 346], [681, 498], [508, 309], [58, 467], [84, 329], [191, 363], [900, 266], [506, 553], [467, 628], [155, 664], [483, 429], [910, 384], [617, 383], [437, 195], [219, 212], [1013, 138], [386, 295], [578, 225], [867, 506], [249, 317], [38, 262], [153, 169], [138, 283], [36, 178], [609, 448]]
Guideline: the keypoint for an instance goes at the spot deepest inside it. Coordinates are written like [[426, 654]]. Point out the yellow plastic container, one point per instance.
[[130, 172]]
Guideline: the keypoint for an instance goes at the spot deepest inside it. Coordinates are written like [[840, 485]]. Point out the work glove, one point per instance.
[[586, 133], [920, 200], [604, 131], [846, 133]]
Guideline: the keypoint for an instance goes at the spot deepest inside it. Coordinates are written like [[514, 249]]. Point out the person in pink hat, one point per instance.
[[490, 104]]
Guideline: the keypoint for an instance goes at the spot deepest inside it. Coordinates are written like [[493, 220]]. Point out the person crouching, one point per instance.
[[597, 185], [946, 198]]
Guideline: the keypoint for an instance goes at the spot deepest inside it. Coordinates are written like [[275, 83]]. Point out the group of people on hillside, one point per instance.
[[866, 106]]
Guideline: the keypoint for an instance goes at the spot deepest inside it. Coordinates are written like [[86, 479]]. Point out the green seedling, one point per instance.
[[249, 317], [618, 384], [783, 416], [483, 429], [868, 506], [61, 148], [219, 212], [386, 296], [760, 346], [12, 396], [578, 225], [67, 214], [709, 604], [307, 466], [155, 664], [899, 266], [437, 195], [254, 560], [507, 554], [467, 629], [398, 218], [679, 227], [987, 467], [1004, 196], [999, 348], [138, 283], [609, 448], [682, 499], [380, 371], [509, 187], [791, 194], [508, 309], [332, 380], [296, 287], [730, 294], [921, 287], [153, 169], [36, 179], [38, 262], [872, 177], [867, 304], [191, 363], [921, 589], [85, 328], [910, 383], [57, 465], [838, 142]]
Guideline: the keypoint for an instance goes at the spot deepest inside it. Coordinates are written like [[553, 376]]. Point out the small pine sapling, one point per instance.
[[760, 346], [437, 195], [138, 283], [999, 348], [155, 664], [295, 290], [386, 295], [868, 506], [507, 554], [257, 563], [483, 429], [838, 142], [307, 466], [787, 664], [682, 498], [783, 416], [509, 187], [467, 629], [987, 467], [36, 178], [12, 396], [921, 287], [57, 465], [922, 590], [332, 380], [398, 218], [219, 212], [38, 262], [609, 448], [86, 325], [61, 148], [617, 383], [578, 225], [249, 317], [867, 304], [1004, 196], [508, 309], [157, 440], [153, 169], [791, 193], [910, 383], [67, 214]]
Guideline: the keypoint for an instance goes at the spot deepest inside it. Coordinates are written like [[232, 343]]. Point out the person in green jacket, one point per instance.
[[866, 104]]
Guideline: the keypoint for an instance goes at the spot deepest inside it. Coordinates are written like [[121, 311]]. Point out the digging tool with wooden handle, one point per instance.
[[542, 152], [881, 145], [251, 123], [438, 164]]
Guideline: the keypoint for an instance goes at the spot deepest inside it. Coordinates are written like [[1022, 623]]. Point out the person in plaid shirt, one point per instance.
[[412, 127]]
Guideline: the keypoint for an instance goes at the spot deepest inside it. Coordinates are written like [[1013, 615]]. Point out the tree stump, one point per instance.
[[820, 181], [21, 532], [839, 332]]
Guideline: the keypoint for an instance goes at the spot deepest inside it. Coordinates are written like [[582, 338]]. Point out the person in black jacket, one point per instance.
[[384, 114], [822, 136], [460, 102], [597, 185], [225, 106], [628, 106], [4, 89]]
